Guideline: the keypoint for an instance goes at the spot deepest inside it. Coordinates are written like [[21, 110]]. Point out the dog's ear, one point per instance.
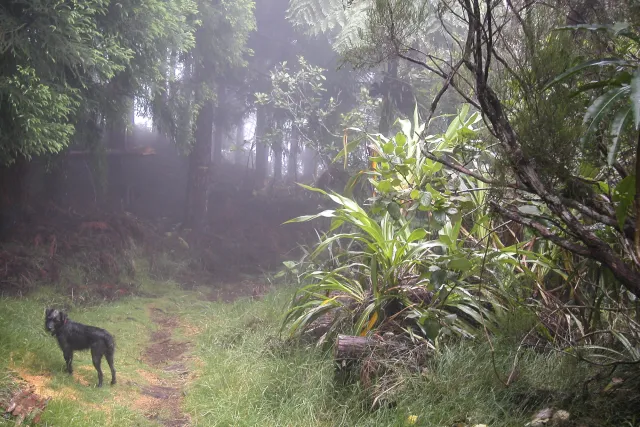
[[47, 311], [62, 316]]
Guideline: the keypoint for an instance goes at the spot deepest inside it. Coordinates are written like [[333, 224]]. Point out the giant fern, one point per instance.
[[357, 25], [333, 17]]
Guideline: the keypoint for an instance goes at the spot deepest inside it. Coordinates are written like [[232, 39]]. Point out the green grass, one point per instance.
[[243, 375], [248, 380]]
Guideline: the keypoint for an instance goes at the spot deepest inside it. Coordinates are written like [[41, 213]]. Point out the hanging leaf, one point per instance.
[[388, 148], [394, 210], [401, 139], [616, 128], [385, 186], [599, 109], [593, 63], [425, 199], [624, 194]]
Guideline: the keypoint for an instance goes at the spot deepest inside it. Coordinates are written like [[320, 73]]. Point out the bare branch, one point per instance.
[[541, 229], [469, 172]]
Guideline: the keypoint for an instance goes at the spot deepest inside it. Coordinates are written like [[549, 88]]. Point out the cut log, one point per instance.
[[349, 348]]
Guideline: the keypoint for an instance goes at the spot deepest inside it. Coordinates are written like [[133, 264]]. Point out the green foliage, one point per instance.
[[67, 67], [621, 99], [299, 95], [359, 29], [220, 49], [388, 259], [40, 116], [330, 17]]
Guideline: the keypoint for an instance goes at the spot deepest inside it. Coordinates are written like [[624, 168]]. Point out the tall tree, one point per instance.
[[69, 68], [239, 146], [262, 148], [219, 49], [292, 165]]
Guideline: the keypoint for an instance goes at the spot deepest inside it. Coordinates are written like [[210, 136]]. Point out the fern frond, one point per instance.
[[364, 24], [317, 16]]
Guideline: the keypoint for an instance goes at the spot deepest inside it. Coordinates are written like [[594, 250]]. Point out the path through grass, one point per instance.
[[183, 359]]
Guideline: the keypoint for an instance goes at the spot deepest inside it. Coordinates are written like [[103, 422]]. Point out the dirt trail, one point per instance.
[[156, 389], [162, 398]]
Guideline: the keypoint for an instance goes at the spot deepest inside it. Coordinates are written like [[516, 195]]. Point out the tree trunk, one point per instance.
[[199, 171], [262, 150], [277, 161], [292, 165], [349, 348], [386, 115], [308, 164], [218, 139], [117, 183], [238, 157], [579, 13]]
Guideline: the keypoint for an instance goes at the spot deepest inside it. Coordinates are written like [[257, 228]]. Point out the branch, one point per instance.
[[541, 229], [440, 74], [594, 247], [441, 92], [616, 165], [469, 172]]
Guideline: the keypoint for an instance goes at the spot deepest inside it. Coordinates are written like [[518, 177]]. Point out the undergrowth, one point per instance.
[[243, 374]]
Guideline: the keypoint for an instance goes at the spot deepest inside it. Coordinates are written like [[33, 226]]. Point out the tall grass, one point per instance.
[[250, 378], [243, 374]]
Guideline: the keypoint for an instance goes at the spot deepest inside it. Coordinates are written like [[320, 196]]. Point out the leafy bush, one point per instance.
[[394, 275]]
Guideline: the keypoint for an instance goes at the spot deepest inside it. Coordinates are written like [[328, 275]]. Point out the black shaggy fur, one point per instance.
[[73, 336]]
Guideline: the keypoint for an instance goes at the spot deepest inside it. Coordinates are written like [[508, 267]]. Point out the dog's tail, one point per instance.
[[111, 343]]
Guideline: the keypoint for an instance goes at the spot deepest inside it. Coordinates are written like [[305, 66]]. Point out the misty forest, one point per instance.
[[320, 213]]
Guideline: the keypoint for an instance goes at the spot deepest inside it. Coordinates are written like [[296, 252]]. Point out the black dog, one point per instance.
[[74, 336]]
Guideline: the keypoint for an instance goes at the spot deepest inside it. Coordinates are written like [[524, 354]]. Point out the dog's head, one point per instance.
[[54, 319]]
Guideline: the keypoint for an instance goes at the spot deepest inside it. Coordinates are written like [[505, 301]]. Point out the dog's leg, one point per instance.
[[68, 357], [96, 355], [109, 356]]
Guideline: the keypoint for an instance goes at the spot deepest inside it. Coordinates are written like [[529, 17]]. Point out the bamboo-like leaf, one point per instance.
[[599, 109], [364, 317], [304, 218], [616, 128], [374, 276], [619, 28], [628, 346], [593, 63]]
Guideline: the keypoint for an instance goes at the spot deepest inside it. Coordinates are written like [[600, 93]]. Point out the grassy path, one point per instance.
[[183, 357], [155, 359], [202, 357]]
